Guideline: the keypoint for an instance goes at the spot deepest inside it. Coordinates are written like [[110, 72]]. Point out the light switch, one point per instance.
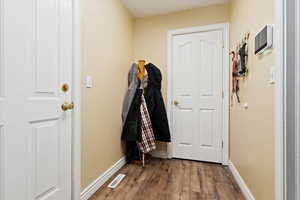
[[89, 82]]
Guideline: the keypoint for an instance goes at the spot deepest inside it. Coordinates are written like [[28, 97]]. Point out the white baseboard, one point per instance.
[[101, 180], [246, 191], [160, 154]]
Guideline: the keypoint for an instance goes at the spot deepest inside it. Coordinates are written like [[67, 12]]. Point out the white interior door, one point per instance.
[[36, 60], [197, 61]]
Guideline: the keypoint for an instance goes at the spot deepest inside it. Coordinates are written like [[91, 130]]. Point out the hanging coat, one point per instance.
[[132, 127], [156, 107], [155, 104], [147, 143], [132, 86]]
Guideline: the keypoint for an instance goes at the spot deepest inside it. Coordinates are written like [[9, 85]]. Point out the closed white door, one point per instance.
[[197, 61], [36, 60]]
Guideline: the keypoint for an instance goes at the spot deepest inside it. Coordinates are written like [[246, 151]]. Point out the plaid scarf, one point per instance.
[[147, 143]]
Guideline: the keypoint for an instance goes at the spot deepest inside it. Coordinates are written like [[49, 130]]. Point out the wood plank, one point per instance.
[[173, 180]]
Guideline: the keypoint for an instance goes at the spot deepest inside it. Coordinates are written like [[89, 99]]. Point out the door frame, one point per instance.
[[226, 74], [282, 109], [76, 97], [280, 11], [297, 100]]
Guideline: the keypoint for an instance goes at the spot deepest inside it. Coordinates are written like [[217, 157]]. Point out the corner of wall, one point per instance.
[[107, 52]]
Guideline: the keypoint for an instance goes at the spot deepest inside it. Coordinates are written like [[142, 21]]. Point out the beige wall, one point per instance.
[[150, 34], [106, 55], [252, 134]]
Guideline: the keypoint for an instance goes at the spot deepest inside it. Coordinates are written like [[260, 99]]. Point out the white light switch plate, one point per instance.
[[89, 82]]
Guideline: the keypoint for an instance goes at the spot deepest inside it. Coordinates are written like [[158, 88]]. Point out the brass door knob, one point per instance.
[[176, 103], [67, 106]]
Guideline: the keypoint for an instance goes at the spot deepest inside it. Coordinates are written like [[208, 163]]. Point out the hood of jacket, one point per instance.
[[154, 76]]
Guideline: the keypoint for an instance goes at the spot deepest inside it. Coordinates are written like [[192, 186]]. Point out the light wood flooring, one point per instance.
[[173, 180]]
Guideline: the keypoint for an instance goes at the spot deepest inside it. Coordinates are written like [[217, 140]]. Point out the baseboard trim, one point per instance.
[[160, 154], [102, 179], [246, 191]]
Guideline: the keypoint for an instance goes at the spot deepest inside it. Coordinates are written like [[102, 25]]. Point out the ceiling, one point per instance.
[[143, 8]]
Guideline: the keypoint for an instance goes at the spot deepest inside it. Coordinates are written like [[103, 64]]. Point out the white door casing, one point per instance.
[[297, 21], [36, 59], [2, 86], [297, 113], [199, 82]]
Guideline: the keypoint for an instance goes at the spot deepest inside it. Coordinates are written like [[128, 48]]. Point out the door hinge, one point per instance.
[[222, 144], [222, 94]]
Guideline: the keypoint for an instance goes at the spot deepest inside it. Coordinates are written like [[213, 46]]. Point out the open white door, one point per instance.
[[35, 133], [198, 110]]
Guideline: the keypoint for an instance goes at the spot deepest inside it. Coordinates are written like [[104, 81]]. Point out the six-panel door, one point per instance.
[[197, 87]]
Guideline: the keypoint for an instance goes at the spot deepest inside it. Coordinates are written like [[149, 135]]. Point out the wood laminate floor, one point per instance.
[[173, 180]]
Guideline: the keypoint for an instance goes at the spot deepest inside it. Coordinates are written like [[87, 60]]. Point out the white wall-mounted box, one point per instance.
[[264, 39]]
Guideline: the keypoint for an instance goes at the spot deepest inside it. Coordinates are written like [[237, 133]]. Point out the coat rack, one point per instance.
[[141, 68], [239, 64]]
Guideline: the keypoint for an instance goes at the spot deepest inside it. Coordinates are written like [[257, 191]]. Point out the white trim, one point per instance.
[[297, 99], [2, 94], [160, 154], [279, 51], [246, 191], [102, 179], [76, 119], [226, 74], [169, 92], [2, 163], [197, 29], [226, 102]]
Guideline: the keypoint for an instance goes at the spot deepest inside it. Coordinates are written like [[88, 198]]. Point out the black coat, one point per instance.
[[155, 104], [156, 107], [132, 127]]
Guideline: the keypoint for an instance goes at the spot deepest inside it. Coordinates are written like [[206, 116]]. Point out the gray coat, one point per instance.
[[132, 86]]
